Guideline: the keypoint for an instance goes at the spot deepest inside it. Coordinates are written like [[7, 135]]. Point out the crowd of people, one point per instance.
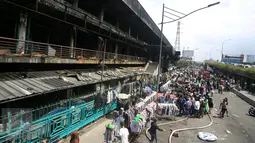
[[188, 92]]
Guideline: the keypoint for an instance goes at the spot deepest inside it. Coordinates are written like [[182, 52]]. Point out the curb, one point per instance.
[[245, 98]]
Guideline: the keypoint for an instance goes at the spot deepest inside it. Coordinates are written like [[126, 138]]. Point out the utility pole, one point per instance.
[[178, 35], [160, 48], [179, 17]]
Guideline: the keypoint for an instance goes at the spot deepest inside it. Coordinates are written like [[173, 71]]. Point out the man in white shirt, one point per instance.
[[196, 107], [124, 133]]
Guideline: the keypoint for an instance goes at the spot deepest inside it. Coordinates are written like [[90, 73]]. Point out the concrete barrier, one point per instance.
[[244, 97]]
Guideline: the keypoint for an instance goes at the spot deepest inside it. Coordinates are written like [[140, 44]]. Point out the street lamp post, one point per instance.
[[222, 48], [173, 20]]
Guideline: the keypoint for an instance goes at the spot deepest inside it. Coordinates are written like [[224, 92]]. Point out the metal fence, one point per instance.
[[10, 46], [33, 126]]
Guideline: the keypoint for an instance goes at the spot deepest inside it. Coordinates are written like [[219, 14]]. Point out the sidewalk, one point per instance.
[[246, 93], [96, 134], [245, 96]]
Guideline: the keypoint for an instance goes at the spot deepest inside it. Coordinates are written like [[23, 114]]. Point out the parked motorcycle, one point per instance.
[[252, 111]]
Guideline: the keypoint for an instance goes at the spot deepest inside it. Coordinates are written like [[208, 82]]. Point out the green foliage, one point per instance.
[[182, 63], [245, 71]]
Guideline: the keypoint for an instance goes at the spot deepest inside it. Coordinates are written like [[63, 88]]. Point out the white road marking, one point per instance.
[[228, 132], [236, 115], [222, 139]]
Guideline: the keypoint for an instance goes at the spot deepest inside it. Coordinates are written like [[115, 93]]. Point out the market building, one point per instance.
[[57, 52]]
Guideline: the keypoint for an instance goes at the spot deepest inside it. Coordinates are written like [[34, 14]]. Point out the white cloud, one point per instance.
[[206, 29]]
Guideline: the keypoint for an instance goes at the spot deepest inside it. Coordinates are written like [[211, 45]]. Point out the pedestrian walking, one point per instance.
[[182, 102], [226, 100], [206, 105], [223, 108], [202, 108], [109, 133], [153, 131], [210, 102], [148, 116], [196, 108], [188, 107], [124, 133]]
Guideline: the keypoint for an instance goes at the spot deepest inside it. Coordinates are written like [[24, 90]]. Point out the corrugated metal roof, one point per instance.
[[14, 85], [56, 82]]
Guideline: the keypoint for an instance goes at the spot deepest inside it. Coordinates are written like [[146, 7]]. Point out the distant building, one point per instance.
[[233, 59], [250, 59], [188, 53]]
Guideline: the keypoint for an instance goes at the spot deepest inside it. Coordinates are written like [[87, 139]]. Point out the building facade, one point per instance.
[[233, 59], [62, 57], [250, 59]]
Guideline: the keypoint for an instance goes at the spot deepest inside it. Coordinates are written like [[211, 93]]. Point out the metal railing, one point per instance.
[[54, 125], [16, 47]]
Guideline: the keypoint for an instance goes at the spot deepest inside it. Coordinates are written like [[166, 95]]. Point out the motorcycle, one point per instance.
[[226, 87], [252, 111]]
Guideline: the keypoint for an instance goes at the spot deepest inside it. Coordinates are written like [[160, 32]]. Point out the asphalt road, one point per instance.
[[238, 112], [239, 127]]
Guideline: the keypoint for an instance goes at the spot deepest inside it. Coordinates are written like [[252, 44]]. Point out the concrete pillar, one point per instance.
[[137, 36], [116, 50], [101, 16], [22, 26], [72, 42], [129, 31], [75, 3], [99, 48]]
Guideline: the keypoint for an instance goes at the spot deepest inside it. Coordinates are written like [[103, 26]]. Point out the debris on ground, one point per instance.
[[175, 134], [207, 136], [228, 132]]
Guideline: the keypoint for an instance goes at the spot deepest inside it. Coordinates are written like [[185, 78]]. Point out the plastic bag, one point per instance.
[[207, 136]]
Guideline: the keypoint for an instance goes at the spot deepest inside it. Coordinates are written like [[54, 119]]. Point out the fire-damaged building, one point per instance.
[[54, 51]]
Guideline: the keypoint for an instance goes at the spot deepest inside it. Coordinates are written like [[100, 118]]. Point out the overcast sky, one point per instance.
[[206, 29]]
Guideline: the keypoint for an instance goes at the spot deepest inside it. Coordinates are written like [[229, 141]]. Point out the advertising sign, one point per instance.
[[188, 53], [232, 60]]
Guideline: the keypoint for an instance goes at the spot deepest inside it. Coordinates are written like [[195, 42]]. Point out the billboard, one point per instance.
[[250, 59], [188, 53], [232, 60]]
